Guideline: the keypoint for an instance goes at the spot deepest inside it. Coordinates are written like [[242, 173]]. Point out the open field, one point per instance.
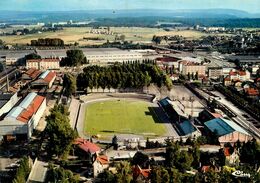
[[122, 116], [76, 34]]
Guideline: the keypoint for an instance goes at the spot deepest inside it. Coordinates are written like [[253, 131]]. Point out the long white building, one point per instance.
[[97, 55], [22, 119]]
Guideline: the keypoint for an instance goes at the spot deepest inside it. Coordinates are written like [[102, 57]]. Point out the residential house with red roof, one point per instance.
[[100, 164], [239, 75], [87, 146], [23, 119], [141, 175]]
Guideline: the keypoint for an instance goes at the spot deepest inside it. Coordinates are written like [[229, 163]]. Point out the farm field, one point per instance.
[[108, 118], [76, 34]]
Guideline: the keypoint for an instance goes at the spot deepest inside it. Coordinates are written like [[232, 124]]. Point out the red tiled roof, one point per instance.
[[226, 151], [26, 114], [216, 115], [167, 59], [33, 73], [227, 79], [205, 169], [252, 91], [49, 77], [103, 159], [87, 146], [44, 60], [137, 170]]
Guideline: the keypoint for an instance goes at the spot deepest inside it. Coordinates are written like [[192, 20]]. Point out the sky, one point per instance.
[[252, 6]]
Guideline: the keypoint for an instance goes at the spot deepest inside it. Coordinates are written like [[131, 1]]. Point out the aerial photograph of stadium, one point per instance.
[[129, 91]]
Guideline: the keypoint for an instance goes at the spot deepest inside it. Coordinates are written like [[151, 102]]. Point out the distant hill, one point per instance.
[[53, 16], [138, 17]]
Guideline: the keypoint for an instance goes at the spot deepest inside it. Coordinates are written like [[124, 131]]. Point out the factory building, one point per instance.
[[23, 118]]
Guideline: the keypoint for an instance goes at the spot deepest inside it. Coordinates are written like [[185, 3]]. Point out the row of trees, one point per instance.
[[59, 132], [132, 75], [69, 84], [47, 42]]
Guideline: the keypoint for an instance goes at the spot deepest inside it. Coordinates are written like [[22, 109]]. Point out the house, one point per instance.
[[87, 146], [251, 92], [207, 168], [227, 81], [46, 79], [239, 75], [100, 164], [141, 175], [232, 156], [22, 119], [227, 131], [43, 64]]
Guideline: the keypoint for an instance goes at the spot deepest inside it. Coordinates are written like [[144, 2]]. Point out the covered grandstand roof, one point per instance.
[[187, 127], [27, 108], [223, 127]]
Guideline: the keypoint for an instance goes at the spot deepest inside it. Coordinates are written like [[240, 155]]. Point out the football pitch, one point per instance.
[[123, 116]]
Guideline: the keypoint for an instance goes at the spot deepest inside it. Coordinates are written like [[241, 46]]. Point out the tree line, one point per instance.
[[126, 75], [47, 42]]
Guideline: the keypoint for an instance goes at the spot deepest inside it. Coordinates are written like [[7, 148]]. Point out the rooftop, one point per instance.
[[187, 127], [25, 110], [223, 127], [87, 146]]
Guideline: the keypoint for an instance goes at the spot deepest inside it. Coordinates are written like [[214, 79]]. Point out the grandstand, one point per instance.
[[179, 119]]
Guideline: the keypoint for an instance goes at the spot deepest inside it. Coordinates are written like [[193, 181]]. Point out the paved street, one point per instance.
[[73, 109]]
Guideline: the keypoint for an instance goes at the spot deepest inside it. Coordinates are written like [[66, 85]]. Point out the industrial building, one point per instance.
[[46, 79], [22, 119], [7, 101], [43, 64], [97, 55], [227, 131], [11, 57]]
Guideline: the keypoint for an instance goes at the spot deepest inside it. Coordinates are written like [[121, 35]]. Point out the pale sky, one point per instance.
[[252, 6]]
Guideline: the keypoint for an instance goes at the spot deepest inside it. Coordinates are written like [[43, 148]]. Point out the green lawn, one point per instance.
[[122, 117]]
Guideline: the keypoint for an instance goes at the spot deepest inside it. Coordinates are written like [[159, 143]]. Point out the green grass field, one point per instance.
[[122, 117]]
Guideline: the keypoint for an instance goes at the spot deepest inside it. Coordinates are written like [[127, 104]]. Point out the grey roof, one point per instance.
[[87, 51], [15, 53], [223, 127], [4, 98]]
